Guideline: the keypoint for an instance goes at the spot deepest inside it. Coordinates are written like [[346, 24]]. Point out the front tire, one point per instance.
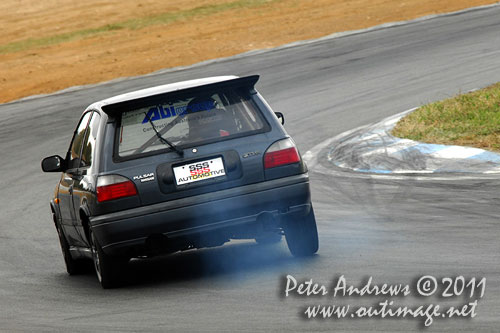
[[302, 235], [108, 269]]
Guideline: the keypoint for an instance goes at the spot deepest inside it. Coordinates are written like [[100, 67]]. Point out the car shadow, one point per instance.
[[234, 259]]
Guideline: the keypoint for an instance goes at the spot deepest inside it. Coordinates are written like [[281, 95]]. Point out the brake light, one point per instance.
[[112, 187], [281, 153]]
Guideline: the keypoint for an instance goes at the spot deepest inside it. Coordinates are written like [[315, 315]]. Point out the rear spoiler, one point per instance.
[[247, 82]]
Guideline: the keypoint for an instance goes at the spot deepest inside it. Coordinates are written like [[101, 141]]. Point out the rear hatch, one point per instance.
[[193, 141]]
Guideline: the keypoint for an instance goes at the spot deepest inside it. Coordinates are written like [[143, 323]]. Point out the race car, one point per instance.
[[180, 166]]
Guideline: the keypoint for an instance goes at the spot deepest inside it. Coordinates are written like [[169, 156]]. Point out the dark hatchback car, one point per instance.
[[176, 167]]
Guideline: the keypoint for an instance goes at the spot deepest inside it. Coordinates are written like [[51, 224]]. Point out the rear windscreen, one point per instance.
[[187, 121]]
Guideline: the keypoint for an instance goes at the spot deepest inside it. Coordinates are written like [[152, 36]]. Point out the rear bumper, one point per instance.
[[122, 231]]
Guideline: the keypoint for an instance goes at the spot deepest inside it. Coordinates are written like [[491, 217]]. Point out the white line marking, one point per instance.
[[457, 152]]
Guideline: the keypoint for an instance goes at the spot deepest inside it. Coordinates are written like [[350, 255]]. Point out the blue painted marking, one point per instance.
[[374, 170], [487, 156]]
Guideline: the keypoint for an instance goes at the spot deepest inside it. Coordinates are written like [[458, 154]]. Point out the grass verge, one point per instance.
[[132, 24], [471, 119]]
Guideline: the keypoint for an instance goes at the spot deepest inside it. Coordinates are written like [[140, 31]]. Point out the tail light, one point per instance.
[[112, 187], [281, 153]]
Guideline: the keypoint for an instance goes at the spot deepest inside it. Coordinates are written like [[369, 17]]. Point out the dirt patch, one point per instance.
[[54, 44]]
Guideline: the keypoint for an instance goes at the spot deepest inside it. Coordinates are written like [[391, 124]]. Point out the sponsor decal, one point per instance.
[[199, 171], [160, 112], [207, 174]]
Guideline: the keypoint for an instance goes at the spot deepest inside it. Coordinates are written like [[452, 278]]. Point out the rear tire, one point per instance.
[[108, 269], [302, 235]]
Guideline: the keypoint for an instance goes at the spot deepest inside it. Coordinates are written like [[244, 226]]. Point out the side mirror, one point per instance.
[[280, 117], [53, 163]]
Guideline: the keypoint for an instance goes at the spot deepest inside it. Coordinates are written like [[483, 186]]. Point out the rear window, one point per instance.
[[187, 121]]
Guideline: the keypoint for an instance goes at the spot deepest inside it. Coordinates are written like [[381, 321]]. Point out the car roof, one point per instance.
[[166, 88]]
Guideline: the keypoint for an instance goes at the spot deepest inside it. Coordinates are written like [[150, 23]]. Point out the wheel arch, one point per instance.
[[84, 213], [55, 212]]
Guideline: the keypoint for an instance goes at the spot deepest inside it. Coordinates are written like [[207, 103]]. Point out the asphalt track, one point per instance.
[[392, 229]]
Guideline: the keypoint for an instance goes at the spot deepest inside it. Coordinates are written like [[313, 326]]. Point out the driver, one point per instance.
[[208, 120]]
